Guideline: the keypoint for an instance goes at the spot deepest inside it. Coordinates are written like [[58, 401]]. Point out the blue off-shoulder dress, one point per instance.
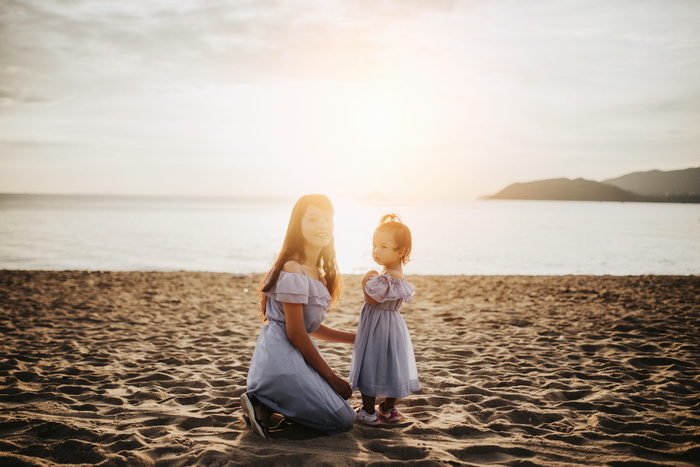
[[280, 377], [383, 362]]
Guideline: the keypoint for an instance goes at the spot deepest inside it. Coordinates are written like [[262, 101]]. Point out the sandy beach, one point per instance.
[[146, 368]]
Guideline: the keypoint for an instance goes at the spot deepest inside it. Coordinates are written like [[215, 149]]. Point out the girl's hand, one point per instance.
[[366, 279], [340, 386], [368, 276]]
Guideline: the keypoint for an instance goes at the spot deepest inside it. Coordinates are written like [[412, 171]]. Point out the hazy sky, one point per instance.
[[421, 98]]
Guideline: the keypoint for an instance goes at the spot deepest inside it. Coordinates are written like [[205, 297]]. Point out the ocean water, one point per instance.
[[243, 236]]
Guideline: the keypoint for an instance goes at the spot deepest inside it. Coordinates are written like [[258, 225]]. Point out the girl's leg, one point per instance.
[[368, 404], [389, 403], [388, 410]]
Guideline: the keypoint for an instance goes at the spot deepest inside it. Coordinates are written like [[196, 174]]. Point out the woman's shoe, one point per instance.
[[367, 419], [259, 427], [391, 415]]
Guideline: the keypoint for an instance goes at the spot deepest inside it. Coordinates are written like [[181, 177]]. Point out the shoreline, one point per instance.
[[343, 274], [146, 368]]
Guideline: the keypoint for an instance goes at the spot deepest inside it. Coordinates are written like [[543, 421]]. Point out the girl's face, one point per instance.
[[384, 250], [317, 226]]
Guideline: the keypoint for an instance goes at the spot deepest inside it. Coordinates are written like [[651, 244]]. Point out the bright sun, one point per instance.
[[376, 118], [367, 124]]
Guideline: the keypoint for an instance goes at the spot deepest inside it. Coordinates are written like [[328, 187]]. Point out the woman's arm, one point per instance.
[[297, 335], [333, 335]]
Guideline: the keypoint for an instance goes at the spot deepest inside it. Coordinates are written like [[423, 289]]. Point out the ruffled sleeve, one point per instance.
[[387, 288], [293, 287]]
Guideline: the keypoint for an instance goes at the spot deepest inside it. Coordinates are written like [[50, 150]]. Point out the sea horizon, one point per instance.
[[242, 236]]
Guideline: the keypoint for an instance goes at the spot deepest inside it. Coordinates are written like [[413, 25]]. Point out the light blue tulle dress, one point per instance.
[[280, 377], [383, 363]]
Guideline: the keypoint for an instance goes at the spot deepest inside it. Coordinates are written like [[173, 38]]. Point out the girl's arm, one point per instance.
[[333, 335], [297, 335], [367, 277]]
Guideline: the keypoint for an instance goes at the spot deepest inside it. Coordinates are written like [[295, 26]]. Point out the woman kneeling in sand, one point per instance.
[[287, 373]]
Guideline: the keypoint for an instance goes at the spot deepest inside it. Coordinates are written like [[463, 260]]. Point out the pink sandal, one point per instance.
[[391, 415]]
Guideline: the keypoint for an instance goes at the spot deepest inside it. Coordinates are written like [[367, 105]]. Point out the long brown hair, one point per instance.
[[293, 248]]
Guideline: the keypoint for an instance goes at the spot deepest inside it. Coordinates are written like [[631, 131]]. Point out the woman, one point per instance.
[[288, 374]]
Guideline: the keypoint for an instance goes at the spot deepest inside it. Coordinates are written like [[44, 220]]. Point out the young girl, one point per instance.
[[288, 374], [383, 363]]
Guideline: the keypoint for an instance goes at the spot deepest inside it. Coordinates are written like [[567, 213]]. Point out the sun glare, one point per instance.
[[365, 119], [376, 119], [367, 129], [354, 138], [354, 224]]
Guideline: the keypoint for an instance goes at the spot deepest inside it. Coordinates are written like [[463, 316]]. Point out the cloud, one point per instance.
[[34, 144], [519, 87], [71, 47], [21, 95]]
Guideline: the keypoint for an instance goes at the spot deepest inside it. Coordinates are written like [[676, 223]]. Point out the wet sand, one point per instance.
[[144, 368]]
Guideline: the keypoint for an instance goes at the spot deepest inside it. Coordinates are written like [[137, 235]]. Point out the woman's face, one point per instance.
[[317, 226]]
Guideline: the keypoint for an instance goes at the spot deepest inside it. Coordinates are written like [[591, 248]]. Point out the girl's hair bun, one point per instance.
[[390, 218]]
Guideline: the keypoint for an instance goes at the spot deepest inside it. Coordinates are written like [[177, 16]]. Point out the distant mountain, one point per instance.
[[677, 186], [565, 190], [660, 184]]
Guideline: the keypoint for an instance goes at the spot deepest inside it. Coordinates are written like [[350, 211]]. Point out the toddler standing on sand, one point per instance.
[[383, 363]]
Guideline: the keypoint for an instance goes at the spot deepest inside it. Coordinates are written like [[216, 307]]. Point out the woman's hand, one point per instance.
[[340, 386], [296, 333]]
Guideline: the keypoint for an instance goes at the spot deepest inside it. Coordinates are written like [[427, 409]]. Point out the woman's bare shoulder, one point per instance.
[[292, 266]]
